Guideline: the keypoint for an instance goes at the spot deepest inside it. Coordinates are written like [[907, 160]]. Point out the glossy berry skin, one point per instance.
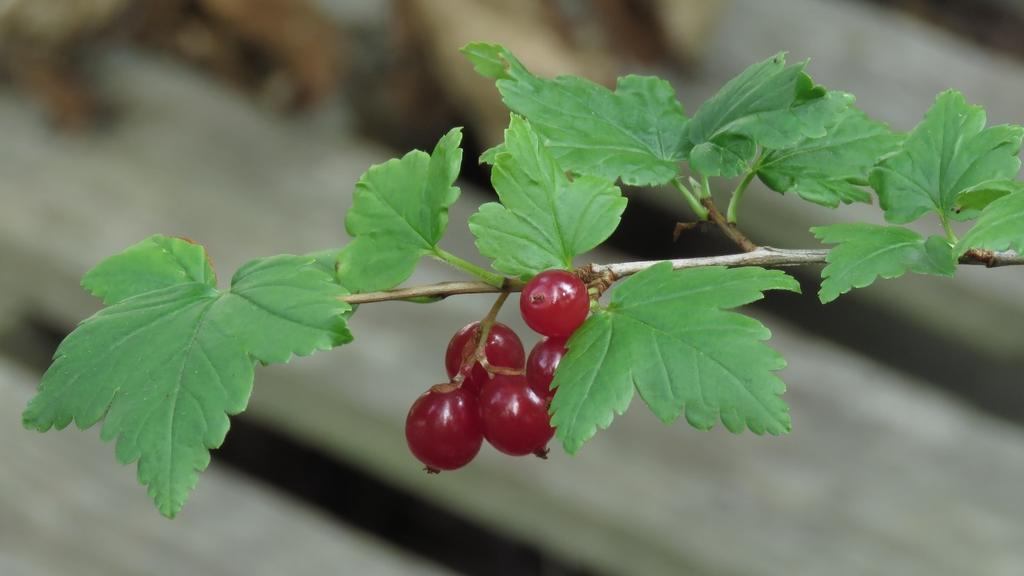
[[503, 349], [443, 428], [515, 419], [554, 303], [541, 365]]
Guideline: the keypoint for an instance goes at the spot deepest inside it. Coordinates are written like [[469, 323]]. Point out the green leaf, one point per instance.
[[768, 104], [1000, 226], [490, 60], [156, 262], [867, 251], [544, 220], [728, 156], [165, 368], [490, 156], [973, 200], [370, 263], [399, 213], [669, 334], [831, 169], [633, 134], [948, 153], [327, 260]]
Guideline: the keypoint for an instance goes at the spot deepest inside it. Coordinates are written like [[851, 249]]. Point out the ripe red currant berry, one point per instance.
[[504, 349], [541, 365], [515, 419], [443, 428], [554, 303]]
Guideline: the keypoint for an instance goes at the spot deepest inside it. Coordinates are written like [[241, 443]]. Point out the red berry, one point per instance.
[[515, 419], [443, 428], [541, 365], [503, 349], [554, 303]]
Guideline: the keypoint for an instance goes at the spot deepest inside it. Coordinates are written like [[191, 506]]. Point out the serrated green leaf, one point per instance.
[[399, 213], [867, 251], [156, 262], [490, 156], [671, 335], [973, 200], [544, 220], [948, 153], [633, 134], [369, 263], [1000, 226], [489, 60], [768, 104], [831, 169], [728, 155], [166, 367], [327, 260]]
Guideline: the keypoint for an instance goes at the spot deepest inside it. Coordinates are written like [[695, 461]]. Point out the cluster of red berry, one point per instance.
[[507, 405]]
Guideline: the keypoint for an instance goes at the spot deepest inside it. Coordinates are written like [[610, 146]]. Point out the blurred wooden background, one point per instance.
[[907, 451]]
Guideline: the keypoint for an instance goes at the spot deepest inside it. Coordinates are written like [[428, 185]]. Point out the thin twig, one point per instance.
[[683, 227], [439, 291], [764, 256], [728, 229], [758, 257]]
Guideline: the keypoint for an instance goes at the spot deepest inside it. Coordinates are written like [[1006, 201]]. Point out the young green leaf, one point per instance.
[[165, 368], [831, 169], [669, 333], [399, 213], [633, 133], [768, 104], [972, 201], [327, 260], [544, 220], [728, 155], [1000, 226], [867, 251], [948, 153], [156, 262]]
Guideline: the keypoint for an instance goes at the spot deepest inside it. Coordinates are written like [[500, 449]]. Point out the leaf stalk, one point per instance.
[[732, 211], [700, 211], [487, 276]]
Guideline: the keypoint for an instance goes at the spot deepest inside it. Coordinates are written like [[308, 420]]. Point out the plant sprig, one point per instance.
[[172, 355]]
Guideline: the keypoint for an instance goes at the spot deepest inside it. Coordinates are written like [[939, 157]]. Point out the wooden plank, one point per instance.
[[882, 474], [68, 509]]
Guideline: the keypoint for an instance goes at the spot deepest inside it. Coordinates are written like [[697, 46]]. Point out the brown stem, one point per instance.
[[479, 354], [990, 258], [439, 291], [683, 227], [728, 229]]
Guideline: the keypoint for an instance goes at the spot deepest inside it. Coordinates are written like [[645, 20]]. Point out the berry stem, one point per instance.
[[479, 354]]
